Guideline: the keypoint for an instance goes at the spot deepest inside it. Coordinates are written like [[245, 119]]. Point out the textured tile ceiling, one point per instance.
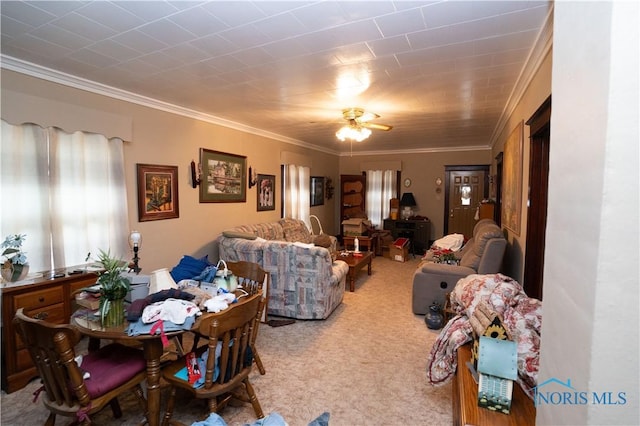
[[440, 72]]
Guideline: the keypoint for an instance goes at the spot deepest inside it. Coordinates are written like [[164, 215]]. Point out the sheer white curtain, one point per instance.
[[381, 187], [70, 194], [296, 192]]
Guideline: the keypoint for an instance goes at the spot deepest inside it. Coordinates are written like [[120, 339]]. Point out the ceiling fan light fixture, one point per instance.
[[355, 133]]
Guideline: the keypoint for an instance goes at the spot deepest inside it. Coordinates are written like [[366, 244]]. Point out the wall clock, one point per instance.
[[407, 182]]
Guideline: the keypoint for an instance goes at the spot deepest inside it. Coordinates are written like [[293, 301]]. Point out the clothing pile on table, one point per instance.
[[173, 309]]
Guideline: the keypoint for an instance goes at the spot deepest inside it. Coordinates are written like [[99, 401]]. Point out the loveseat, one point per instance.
[[482, 254], [305, 282]]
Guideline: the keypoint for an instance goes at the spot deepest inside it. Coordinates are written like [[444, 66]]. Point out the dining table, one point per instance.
[[90, 325], [152, 347]]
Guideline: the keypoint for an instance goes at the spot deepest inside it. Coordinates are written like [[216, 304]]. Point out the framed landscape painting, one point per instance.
[[266, 192], [224, 177], [157, 192]]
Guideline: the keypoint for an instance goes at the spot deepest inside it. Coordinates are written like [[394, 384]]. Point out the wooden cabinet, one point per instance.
[[49, 299], [352, 197], [418, 231]]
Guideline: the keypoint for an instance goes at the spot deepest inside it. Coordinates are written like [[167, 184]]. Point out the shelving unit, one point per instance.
[[352, 197]]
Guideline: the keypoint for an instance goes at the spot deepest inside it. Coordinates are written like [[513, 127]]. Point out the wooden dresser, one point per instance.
[[47, 298], [465, 401]]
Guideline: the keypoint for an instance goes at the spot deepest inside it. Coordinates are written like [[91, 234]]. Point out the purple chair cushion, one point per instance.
[[110, 367]]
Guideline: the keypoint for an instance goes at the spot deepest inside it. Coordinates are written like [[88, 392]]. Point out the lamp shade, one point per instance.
[[408, 200], [135, 239]]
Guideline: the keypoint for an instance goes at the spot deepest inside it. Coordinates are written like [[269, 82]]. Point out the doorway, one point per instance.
[[465, 188], [539, 130]]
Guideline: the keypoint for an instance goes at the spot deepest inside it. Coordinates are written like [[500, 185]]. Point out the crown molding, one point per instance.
[[48, 74], [542, 46], [417, 151]]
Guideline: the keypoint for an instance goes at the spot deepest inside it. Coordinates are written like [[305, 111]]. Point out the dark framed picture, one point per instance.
[[266, 185], [224, 177], [317, 190], [157, 192]]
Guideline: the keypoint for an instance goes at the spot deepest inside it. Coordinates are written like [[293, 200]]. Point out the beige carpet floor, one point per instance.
[[365, 365]]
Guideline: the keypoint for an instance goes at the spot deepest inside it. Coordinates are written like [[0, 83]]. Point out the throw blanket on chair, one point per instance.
[[521, 315]]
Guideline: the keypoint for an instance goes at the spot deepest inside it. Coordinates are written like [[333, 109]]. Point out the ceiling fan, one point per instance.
[[358, 117]]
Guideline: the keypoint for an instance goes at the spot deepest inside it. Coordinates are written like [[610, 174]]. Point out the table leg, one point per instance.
[[352, 279], [153, 353], [369, 266]]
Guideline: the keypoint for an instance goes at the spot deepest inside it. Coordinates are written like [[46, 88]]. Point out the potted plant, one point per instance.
[[113, 289], [14, 265]]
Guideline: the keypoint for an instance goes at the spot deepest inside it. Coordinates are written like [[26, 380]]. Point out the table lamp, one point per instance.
[[407, 202], [135, 241]]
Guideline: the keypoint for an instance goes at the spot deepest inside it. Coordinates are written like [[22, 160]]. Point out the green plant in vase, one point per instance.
[[113, 289]]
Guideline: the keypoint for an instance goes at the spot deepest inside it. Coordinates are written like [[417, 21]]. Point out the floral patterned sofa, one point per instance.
[[305, 282]]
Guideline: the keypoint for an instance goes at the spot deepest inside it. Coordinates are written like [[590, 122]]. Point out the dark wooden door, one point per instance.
[[465, 187], [540, 129]]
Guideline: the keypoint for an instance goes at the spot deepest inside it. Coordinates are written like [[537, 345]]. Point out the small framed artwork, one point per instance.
[[224, 177], [266, 185], [157, 192], [317, 190]]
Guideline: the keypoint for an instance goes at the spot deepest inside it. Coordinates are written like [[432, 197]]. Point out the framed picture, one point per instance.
[[266, 185], [224, 177], [512, 180], [317, 190], [157, 192]]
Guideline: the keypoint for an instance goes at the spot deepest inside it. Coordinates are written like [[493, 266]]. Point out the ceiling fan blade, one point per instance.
[[377, 126], [368, 116]]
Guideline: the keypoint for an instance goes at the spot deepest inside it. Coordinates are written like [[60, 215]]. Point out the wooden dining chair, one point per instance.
[[252, 278], [228, 359], [79, 391]]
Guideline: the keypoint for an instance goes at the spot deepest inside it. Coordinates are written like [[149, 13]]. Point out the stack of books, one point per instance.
[[89, 298]]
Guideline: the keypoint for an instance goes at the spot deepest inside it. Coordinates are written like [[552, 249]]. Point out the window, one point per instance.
[[381, 187], [65, 191], [296, 192]]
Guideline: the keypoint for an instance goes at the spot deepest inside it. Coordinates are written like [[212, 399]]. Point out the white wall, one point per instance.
[[591, 299]]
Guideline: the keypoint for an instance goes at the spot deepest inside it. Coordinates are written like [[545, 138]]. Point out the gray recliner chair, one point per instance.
[[482, 254]]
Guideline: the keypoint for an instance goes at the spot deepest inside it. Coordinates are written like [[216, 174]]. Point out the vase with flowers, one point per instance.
[[443, 255], [113, 289], [14, 264]]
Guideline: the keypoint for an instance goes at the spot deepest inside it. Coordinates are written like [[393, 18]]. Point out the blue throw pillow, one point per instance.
[[188, 268]]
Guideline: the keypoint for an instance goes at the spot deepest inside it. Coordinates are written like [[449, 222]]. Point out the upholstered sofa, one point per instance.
[[305, 282], [482, 254]]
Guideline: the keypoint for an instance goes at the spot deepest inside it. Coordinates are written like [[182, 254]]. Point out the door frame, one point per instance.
[[447, 176], [539, 136]]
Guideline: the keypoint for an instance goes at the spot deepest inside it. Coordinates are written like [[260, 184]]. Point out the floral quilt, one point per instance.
[[521, 317]]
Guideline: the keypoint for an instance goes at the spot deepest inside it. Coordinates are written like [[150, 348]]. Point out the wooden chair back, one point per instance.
[[51, 347], [229, 333], [250, 276]]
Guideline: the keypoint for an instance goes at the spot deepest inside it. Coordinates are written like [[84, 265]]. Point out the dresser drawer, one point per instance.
[[53, 314], [38, 299]]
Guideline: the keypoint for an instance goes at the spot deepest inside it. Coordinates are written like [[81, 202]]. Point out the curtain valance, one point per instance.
[[19, 108]]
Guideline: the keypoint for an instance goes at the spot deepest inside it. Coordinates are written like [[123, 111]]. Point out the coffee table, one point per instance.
[[355, 264]]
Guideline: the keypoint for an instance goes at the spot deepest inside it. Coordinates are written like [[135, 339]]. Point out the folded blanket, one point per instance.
[[472, 298]]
